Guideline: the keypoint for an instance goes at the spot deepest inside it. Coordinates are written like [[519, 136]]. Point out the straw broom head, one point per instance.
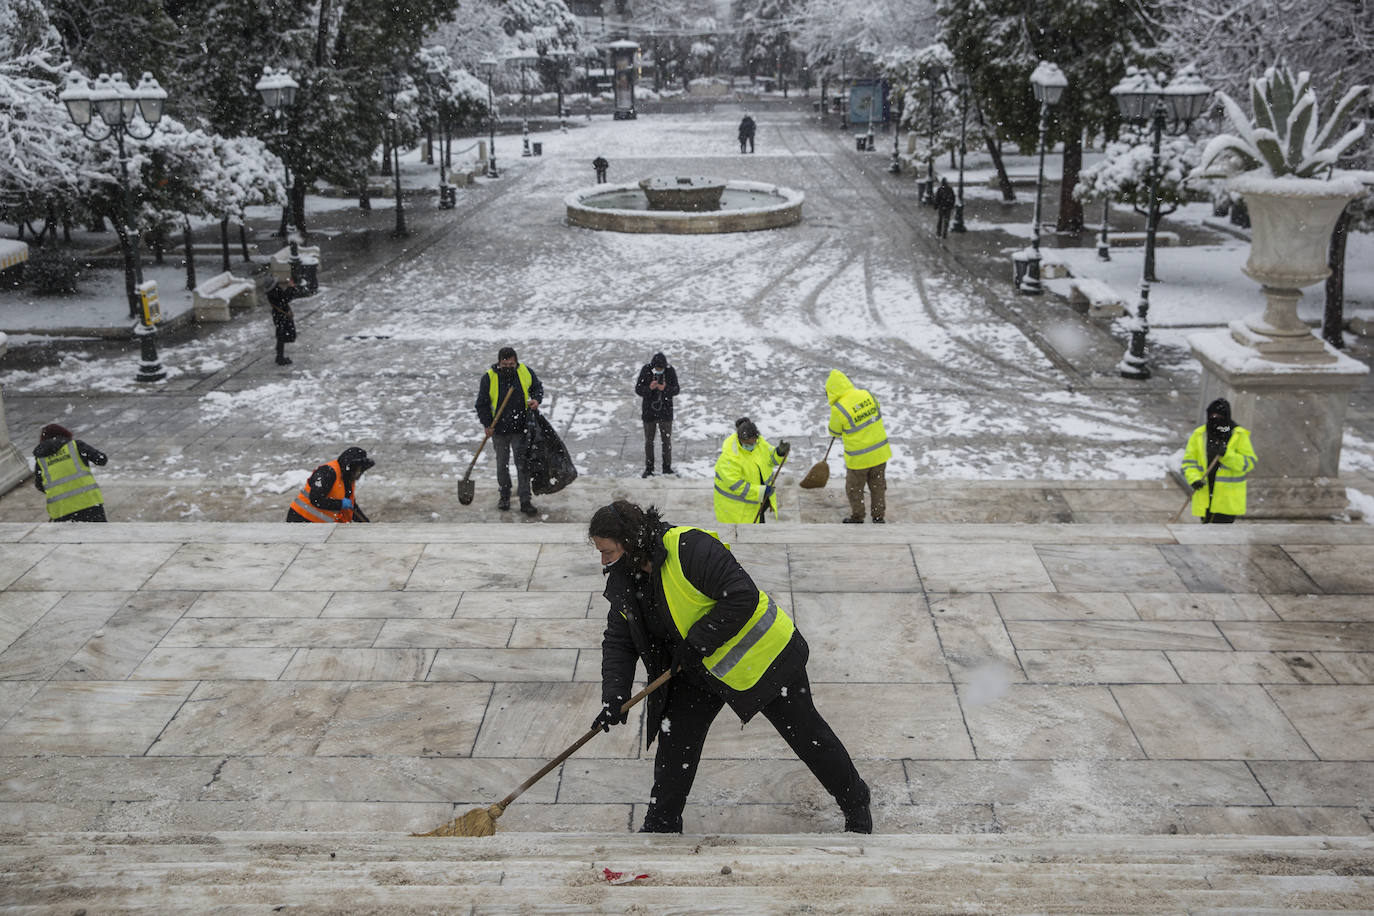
[[477, 822]]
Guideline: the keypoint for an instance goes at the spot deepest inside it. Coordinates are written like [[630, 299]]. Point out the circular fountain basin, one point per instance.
[[745, 206], [692, 194]]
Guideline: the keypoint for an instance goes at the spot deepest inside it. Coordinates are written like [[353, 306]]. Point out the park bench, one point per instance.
[[310, 265], [213, 298], [1095, 297]]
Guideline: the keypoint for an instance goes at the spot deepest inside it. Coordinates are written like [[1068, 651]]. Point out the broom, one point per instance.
[[1189, 501], [482, 821]]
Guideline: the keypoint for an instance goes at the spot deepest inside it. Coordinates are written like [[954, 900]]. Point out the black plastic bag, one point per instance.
[[546, 457]]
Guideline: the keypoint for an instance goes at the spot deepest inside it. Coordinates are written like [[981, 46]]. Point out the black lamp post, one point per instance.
[[438, 81], [391, 85], [523, 58], [934, 72], [278, 91], [561, 58], [1048, 83], [120, 107], [1141, 100], [488, 66], [962, 85], [896, 166]]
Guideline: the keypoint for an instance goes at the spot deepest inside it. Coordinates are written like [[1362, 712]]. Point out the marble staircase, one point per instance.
[[306, 872]]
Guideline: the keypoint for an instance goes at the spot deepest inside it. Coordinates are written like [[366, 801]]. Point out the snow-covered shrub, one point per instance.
[[1283, 137], [1123, 173], [51, 271]]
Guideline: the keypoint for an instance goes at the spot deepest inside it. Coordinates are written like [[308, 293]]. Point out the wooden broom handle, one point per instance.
[[509, 391], [591, 733]]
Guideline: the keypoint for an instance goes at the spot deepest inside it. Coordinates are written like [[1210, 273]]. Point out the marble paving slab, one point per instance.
[[1214, 721], [538, 720], [1064, 606], [118, 647], [1122, 567], [18, 559], [1337, 568], [1097, 666], [1201, 606], [1298, 635], [574, 567], [973, 639], [851, 567], [1336, 721], [1238, 568], [1115, 634], [1349, 667], [1297, 782], [105, 778], [908, 653], [251, 718], [46, 645], [14, 531], [224, 566], [1274, 821], [98, 718], [461, 567], [262, 632], [557, 633], [1034, 721], [530, 604], [214, 664], [184, 532], [351, 567], [21, 610], [409, 719], [258, 604], [359, 665], [1248, 668], [1323, 607], [489, 665], [467, 633], [95, 567], [463, 780], [1086, 782], [973, 568], [13, 695]]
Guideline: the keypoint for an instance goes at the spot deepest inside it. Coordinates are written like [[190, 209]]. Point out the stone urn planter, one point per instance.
[[694, 195], [1291, 221]]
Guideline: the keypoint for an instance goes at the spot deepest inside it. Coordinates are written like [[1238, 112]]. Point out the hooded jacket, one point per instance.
[[639, 627], [856, 418], [320, 486], [1220, 440], [658, 403]]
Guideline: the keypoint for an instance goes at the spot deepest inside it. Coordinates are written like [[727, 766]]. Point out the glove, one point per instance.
[[1199, 483], [768, 492], [347, 503], [610, 714], [783, 448], [685, 656]]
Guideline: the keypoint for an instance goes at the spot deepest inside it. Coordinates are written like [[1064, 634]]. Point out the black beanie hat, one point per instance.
[[659, 361], [745, 428], [353, 461]]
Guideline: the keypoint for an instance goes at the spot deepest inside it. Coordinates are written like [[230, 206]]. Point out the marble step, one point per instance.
[[512, 872]]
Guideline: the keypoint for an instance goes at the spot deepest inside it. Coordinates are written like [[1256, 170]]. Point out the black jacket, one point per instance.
[[513, 417], [640, 628], [746, 127], [944, 198], [53, 446], [658, 404]]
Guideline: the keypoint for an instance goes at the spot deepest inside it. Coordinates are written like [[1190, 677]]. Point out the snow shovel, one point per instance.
[[819, 475], [1190, 495], [763, 504], [465, 486], [482, 821]]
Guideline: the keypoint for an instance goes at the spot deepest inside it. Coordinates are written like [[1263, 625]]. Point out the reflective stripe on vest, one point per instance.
[[493, 385], [743, 659], [865, 435], [302, 505], [68, 483]]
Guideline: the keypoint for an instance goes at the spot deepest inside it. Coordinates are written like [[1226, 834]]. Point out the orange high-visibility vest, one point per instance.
[[305, 509]]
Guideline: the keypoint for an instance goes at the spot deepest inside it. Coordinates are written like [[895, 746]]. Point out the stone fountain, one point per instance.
[[685, 205]]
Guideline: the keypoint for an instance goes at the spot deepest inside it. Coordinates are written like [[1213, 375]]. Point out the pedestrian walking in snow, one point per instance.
[[746, 133], [330, 493], [1215, 462], [283, 319], [857, 420], [508, 431], [944, 206], [657, 386], [743, 470], [680, 601], [62, 472], [601, 165]]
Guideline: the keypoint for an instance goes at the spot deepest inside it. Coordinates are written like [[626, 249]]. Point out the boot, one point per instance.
[[669, 472], [504, 502], [857, 816], [648, 472], [657, 822], [851, 520], [528, 508]]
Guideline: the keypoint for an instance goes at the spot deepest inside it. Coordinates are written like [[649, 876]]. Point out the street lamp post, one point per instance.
[[391, 85], [896, 167], [560, 59], [934, 73], [1141, 100], [119, 106], [488, 66], [278, 91], [1048, 83], [523, 58], [448, 197], [962, 84], [1104, 246]]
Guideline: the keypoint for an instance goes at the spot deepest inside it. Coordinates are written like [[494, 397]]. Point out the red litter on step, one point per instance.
[[620, 877]]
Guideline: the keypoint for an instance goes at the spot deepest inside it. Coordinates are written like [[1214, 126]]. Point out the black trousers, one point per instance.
[[1217, 518], [691, 710], [665, 433]]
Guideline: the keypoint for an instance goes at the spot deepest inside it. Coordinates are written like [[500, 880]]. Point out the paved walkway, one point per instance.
[[977, 383], [1043, 679]]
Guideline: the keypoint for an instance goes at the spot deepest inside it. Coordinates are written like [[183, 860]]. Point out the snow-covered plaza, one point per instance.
[[976, 384]]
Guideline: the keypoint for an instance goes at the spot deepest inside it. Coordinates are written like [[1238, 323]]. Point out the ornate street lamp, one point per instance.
[[623, 57], [524, 58], [391, 85], [934, 72], [488, 66], [561, 59], [121, 109], [438, 81], [895, 167], [962, 85], [1141, 100], [1049, 83], [278, 90]]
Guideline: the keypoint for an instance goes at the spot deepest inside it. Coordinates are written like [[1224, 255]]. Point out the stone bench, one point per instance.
[[1096, 298], [213, 298]]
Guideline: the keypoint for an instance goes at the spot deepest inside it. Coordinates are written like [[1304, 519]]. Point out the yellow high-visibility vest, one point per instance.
[[68, 482], [1227, 496], [525, 381], [857, 420], [740, 479]]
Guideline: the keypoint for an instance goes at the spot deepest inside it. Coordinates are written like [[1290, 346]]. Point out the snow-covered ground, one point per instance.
[[753, 322]]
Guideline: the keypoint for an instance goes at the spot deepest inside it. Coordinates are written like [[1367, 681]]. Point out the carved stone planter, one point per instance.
[[1291, 221]]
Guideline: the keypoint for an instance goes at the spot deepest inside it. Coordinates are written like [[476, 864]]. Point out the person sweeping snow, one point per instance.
[[856, 418], [680, 602], [1215, 462]]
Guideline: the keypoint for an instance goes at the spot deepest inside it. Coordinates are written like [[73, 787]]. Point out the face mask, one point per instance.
[[658, 372], [747, 448]]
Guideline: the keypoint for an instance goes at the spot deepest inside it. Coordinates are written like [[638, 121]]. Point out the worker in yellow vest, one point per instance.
[[1218, 490], [743, 469], [857, 420], [680, 600], [507, 432], [62, 473]]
